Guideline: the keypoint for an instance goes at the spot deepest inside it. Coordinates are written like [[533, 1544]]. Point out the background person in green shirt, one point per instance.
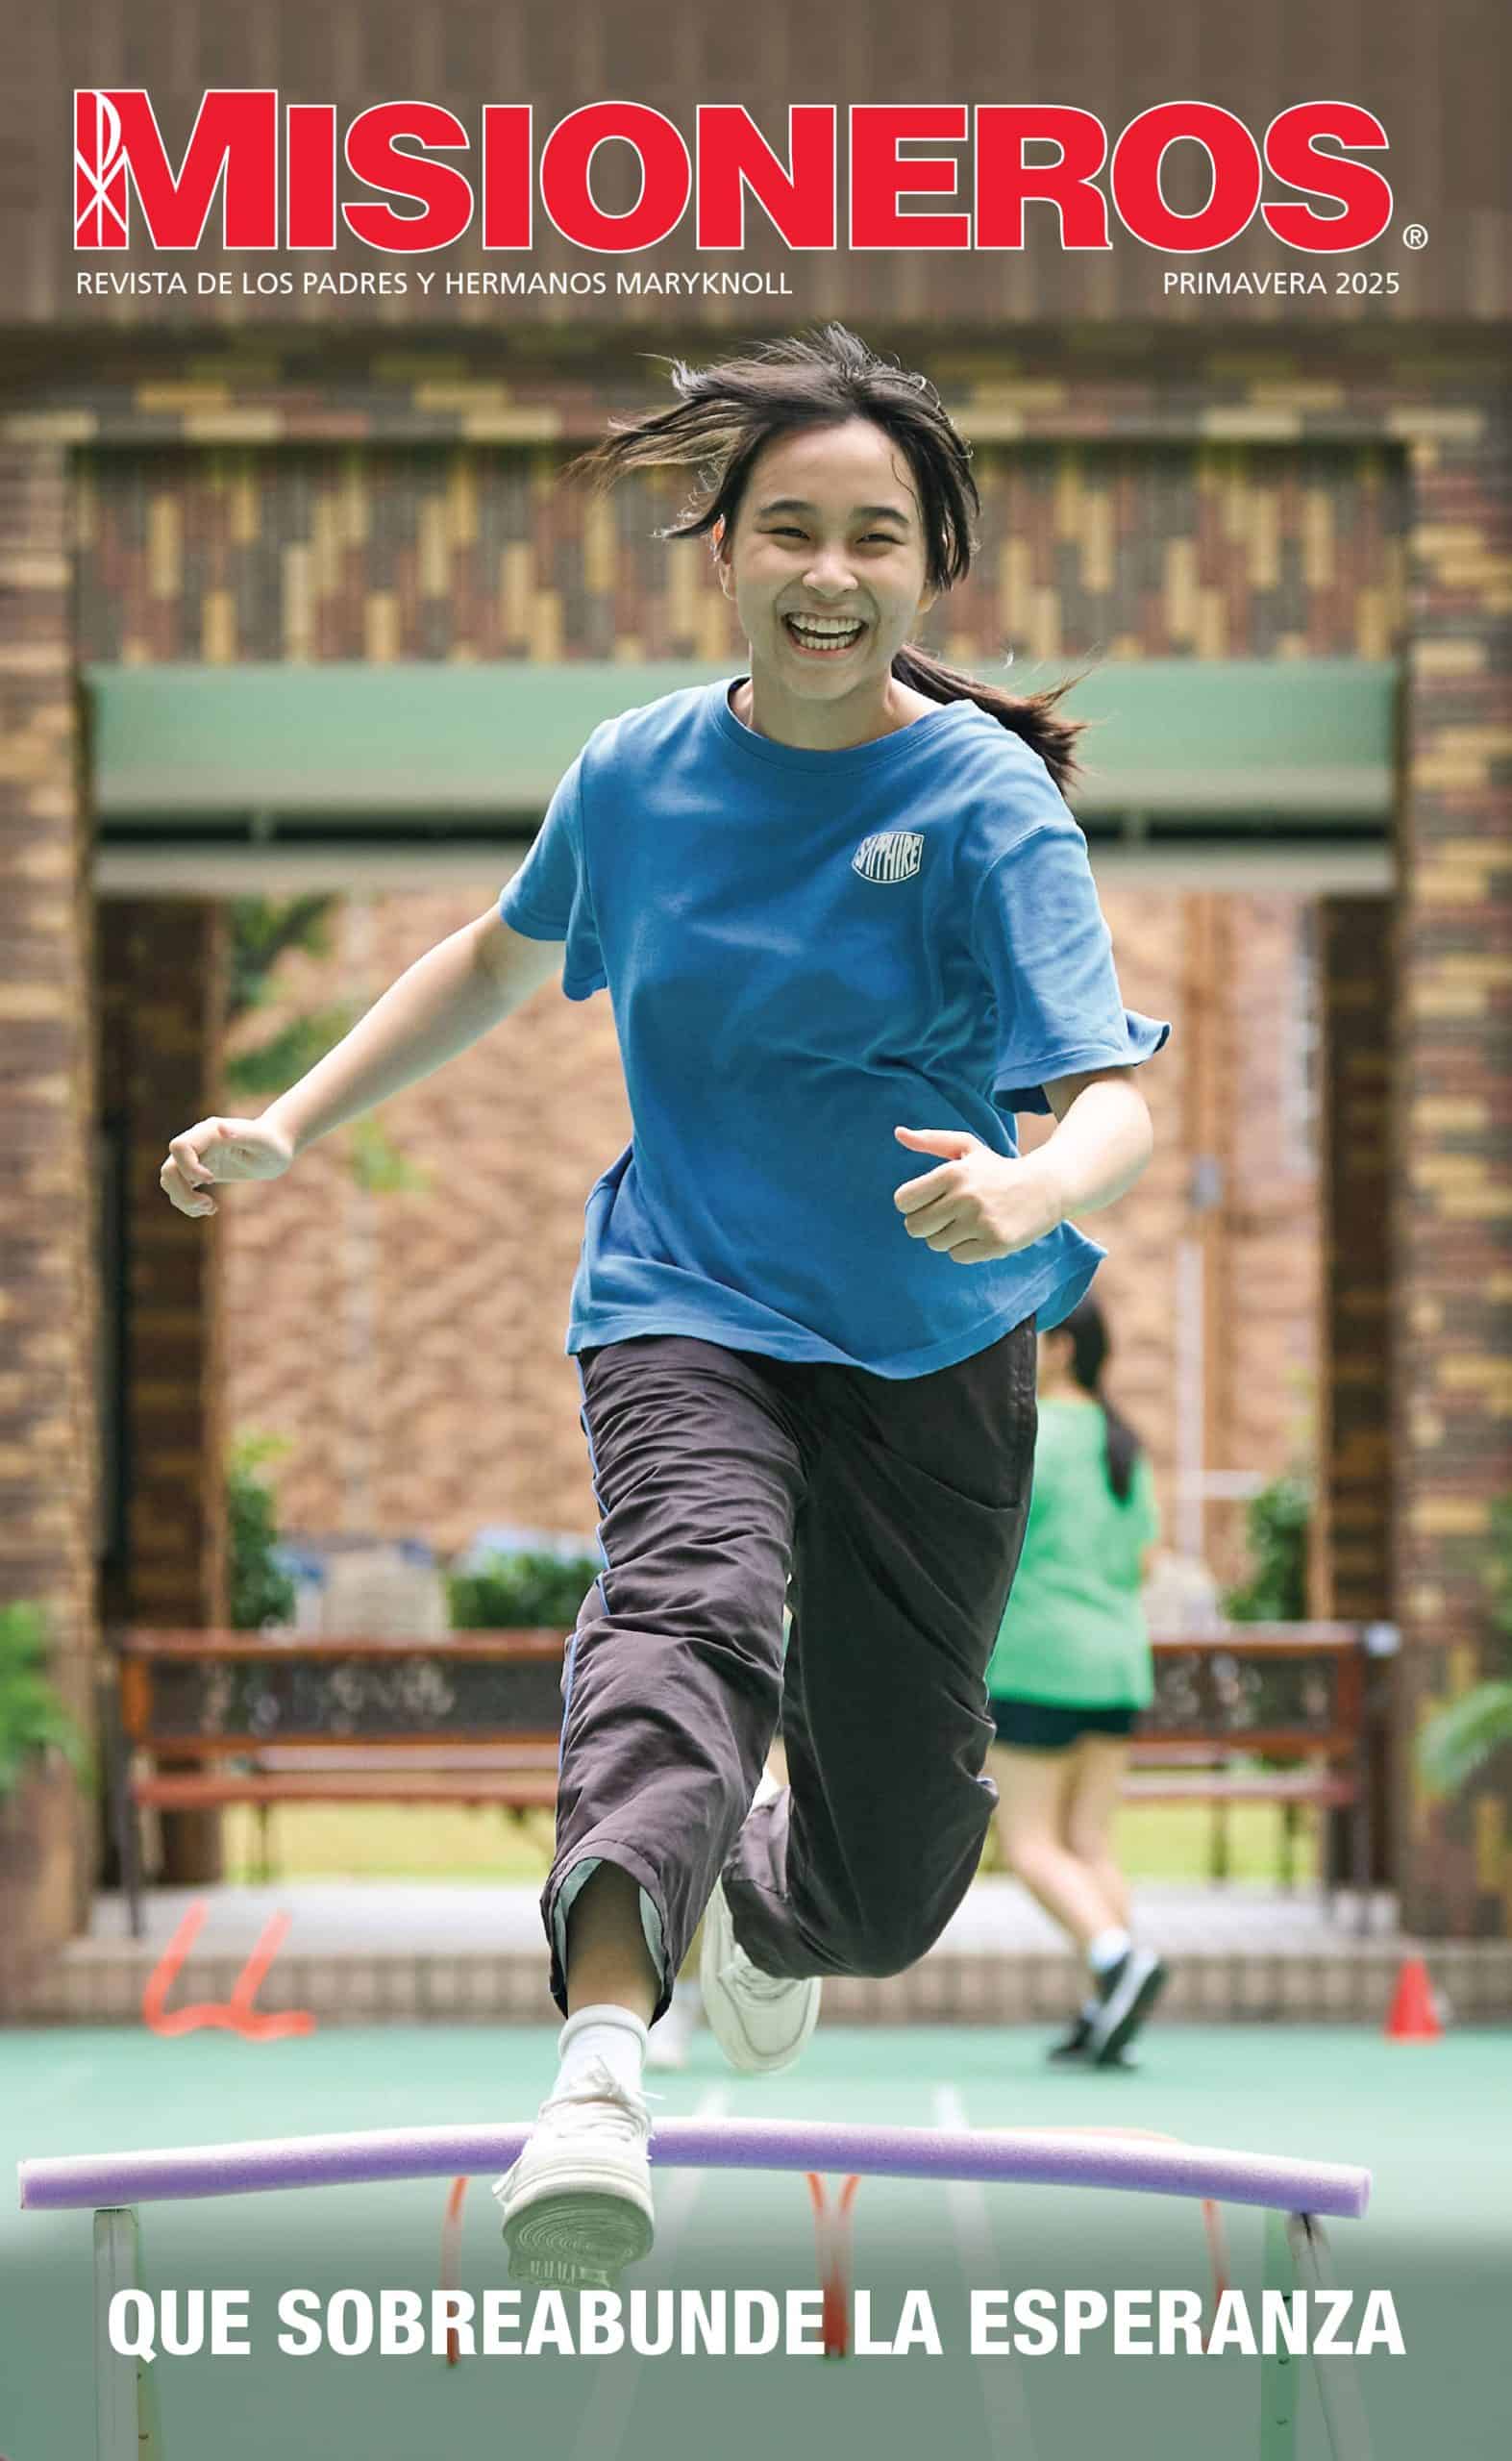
[[1069, 1674]]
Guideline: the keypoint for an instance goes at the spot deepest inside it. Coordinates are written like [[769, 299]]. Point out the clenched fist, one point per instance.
[[215, 1150]]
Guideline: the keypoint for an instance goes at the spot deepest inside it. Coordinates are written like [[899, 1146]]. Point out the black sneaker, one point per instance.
[[1129, 1990]]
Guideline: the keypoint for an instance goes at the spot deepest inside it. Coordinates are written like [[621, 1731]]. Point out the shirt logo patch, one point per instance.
[[894, 854]]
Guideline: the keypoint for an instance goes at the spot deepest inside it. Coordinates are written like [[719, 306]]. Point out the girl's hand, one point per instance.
[[221, 1148], [979, 1204]]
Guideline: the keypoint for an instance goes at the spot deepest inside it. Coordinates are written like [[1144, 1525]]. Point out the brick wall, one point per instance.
[[47, 1308], [1107, 548], [160, 998], [1452, 1318], [1351, 1567], [410, 1344], [1351, 1561]]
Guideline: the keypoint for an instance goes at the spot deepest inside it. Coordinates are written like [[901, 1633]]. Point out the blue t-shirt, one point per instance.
[[804, 950]]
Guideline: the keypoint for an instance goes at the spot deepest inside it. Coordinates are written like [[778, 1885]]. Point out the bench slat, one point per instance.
[[526, 1788], [1283, 1786]]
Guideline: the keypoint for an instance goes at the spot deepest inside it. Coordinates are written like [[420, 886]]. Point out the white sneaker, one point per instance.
[[576, 2205], [760, 2021]]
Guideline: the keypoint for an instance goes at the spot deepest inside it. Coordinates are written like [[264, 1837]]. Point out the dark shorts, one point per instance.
[[1040, 1726]]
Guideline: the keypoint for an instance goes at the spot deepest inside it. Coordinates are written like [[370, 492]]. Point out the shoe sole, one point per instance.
[[576, 2238], [1106, 2053], [722, 2013]]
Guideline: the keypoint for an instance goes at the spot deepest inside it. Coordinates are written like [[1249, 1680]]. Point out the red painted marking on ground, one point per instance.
[[235, 2015]]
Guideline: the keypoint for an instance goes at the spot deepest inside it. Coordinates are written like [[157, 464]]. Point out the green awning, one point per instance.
[[1180, 742]]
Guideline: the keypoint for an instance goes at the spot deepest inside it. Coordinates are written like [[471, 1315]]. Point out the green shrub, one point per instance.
[[1276, 1527], [521, 1592], [260, 1590], [32, 1716], [1459, 1740]]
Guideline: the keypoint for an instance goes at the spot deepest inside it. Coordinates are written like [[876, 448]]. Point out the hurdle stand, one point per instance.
[[1296, 2195], [126, 2418]]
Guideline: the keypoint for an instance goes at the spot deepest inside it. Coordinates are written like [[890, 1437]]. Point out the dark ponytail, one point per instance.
[[1033, 717], [726, 413], [1089, 1349]]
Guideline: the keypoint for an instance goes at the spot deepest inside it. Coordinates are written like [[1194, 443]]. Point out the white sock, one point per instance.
[[1107, 1948], [606, 2032]]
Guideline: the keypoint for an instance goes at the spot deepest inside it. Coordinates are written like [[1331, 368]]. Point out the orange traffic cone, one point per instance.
[[1412, 2016]]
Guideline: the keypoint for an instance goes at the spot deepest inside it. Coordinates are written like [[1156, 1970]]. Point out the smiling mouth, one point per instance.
[[822, 638]]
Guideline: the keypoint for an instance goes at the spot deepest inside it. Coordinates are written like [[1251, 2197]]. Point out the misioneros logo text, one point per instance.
[[277, 175]]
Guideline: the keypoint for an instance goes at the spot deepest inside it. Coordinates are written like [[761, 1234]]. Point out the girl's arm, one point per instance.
[[448, 998], [980, 1205], [1101, 1141], [445, 1002]]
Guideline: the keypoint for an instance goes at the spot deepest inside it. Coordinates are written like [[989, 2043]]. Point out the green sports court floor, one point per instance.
[[1432, 2122]]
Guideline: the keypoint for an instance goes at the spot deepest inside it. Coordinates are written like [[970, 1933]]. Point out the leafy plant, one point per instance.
[[521, 1592], [32, 1716], [261, 929], [1459, 1739], [1277, 1528], [260, 1591]]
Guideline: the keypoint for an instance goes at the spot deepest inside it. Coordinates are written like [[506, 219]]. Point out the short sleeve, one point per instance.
[[1038, 933], [549, 897]]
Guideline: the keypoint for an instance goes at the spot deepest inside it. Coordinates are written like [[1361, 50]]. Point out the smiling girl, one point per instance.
[[841, 909]]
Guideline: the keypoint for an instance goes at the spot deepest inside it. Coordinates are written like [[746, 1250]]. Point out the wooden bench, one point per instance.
[[1282, 1714], [1287, 1714], [210, 1718]]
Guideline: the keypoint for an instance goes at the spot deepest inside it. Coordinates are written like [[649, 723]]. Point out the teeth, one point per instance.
[[815, 628]]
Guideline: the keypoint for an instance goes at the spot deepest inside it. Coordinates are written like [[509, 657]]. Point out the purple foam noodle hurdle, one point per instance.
[[1048, 2157]]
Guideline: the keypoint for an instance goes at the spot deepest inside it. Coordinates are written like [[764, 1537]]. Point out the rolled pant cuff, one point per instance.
[[585, 1859]]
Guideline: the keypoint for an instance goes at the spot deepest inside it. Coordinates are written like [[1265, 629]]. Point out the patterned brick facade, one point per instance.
[[1350, 1562], [1352, 1565], [161, 994], [1103, 548], [1451, 1204], [47, 1302]]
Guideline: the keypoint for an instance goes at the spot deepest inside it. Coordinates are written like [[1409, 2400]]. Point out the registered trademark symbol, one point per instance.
[[1414, 235]]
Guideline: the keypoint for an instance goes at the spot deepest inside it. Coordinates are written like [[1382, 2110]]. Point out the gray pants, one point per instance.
[[888, 1513]]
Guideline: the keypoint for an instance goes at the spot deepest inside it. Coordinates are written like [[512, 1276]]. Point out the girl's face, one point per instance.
[[826, 565]]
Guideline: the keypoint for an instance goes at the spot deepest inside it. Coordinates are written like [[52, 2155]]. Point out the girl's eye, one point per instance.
[[882, 537]]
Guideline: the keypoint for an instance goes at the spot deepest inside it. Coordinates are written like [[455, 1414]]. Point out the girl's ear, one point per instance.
[[717, 537]]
